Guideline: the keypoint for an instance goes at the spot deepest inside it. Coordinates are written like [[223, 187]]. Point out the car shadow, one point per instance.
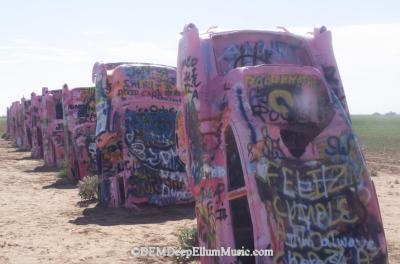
[[43, 168], [103, 216], [61, 184], [27, 158]]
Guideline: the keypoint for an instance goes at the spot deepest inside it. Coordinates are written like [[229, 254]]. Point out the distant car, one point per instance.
[[80, 127], [27, 123], [36, 128], [52, 128]]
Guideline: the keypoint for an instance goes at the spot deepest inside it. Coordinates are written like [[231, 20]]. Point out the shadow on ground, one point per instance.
[[21, 150], [99, 215], [43, 168], [27, 158], [61, 184]]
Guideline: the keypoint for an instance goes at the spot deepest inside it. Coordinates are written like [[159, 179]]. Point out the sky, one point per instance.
[[46, 43]]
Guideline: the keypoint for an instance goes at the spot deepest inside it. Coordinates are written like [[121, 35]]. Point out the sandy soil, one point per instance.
[[386, 168], [42, 221]]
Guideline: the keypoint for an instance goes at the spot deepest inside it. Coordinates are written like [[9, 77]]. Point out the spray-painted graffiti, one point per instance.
[[155, 171], [266, 147], [190, 74], [150, 137], [291, 174], [80, 124], [250, 49]]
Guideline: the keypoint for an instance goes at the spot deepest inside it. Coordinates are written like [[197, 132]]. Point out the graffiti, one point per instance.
[[148, 77], [283, 99], [331, 76], [150, 141], [135, 80], [213, 171], [143, 182], [244, 114], [157, 187], [221, 214], [265, 49], [111, 159], [262, 81], [262, 105], [218, 191], [190, 74], [102, 91], [150, 137], [339, 146], [274, 98], [84, 113], [102, 109], [247, 54], [267, 148], [85, 150]]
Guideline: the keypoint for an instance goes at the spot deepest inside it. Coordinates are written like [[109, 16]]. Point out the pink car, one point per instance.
[[273, 161], [79, 126], [139, 160], [16, 123], [37, 136], [27, 123], [53, 128]]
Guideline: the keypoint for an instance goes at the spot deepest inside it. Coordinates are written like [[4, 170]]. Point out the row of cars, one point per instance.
[[252, 125]]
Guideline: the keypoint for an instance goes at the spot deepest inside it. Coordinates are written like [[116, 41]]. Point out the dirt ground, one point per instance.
[[42, 221], [385, 166]]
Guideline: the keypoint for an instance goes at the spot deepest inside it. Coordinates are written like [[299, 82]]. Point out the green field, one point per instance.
[[3, 122], [378, 133]]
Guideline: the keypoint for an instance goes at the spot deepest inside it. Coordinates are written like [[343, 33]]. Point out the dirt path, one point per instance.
[[40, 222]]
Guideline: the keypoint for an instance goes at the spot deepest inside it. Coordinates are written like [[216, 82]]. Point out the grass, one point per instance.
[[378, 133], [3, 125], [187, 239], [62, 173], [88, 188]]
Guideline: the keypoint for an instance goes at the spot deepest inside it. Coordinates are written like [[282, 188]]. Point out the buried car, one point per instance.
[[79, 127], [138, 154], [273, 160]]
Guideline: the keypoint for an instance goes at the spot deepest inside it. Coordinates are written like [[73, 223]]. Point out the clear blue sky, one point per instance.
[[48, 42]]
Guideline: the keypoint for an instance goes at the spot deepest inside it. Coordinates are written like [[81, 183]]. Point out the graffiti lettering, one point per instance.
[[190, 74], [339, 146], [266, 147]]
